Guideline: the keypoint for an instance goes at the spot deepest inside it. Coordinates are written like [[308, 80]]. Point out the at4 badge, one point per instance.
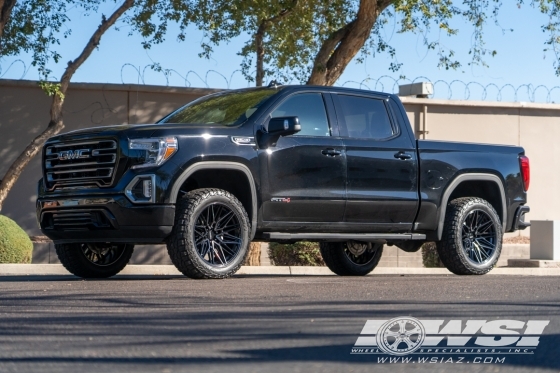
[[287, 200]]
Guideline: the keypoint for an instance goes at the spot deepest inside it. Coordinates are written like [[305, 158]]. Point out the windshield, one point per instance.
[[228, 109]]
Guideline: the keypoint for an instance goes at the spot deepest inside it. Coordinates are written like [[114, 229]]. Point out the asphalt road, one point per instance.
[[252, 324]]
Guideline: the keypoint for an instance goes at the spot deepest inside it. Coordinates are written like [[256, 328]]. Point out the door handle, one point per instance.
[[330, 152], [402, 155]]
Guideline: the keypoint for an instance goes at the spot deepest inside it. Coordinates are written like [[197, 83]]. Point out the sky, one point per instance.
[[521, 70]]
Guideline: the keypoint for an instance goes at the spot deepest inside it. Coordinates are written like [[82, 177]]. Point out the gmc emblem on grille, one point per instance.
[[73, 154]]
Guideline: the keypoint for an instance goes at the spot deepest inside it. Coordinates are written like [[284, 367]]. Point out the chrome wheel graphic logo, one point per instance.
[[401, 336]]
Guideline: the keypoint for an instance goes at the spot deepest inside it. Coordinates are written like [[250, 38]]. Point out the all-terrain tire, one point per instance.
[[459, 243], [184, 252], [74, 257], [336, 257]]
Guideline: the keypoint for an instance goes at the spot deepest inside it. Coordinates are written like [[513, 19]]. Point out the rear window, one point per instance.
[[230, 108]]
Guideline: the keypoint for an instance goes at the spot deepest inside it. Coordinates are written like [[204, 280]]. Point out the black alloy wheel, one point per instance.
[[94, 260], [479, 237], [102, 254], [217, 235], [351, 258]]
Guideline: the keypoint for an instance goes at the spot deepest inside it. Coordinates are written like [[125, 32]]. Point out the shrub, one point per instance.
[[15, 245], [297, 254], [430, 256]]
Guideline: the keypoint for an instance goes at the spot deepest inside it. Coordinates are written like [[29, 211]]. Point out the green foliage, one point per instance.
[[301, 253], [15, 245], [37, 27], [51, 89], [551, 8], [430, 256], [150, 18], [290, 42]]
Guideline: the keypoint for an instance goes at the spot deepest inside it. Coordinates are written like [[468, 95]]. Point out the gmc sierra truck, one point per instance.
[[281, 163]]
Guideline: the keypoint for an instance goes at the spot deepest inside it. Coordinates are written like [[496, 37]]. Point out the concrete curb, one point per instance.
[[169, 270]]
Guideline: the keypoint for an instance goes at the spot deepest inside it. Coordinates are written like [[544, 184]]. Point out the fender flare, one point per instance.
[[468, 177], [219, 165]]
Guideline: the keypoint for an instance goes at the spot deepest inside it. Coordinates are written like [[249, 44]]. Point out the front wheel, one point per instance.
[[472, 237], [351, 258], [94, 260], [210, 237]]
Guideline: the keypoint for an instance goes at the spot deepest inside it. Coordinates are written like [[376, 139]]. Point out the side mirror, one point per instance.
[[282, 126]]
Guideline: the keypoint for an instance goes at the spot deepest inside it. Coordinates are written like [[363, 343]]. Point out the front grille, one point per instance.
[[76, 220], [80, 163]]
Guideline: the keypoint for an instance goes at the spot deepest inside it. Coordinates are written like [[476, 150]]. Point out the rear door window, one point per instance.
[[365, 118]]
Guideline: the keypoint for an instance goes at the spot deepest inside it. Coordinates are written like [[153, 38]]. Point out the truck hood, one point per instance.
[[134, 131]]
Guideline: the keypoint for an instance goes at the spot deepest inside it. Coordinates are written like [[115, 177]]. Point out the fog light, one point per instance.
[[141, 189], [148, 188]]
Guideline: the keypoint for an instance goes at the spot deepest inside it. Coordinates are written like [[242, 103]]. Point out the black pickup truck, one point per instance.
[[282, 163]]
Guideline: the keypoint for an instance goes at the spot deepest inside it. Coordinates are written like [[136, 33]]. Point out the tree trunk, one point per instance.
[[342, 46], [254, 256], [259, 36], [56, 123], [6, 7], [259, 40]]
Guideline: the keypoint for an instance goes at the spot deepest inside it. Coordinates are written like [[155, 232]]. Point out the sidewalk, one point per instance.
[[169, 270]]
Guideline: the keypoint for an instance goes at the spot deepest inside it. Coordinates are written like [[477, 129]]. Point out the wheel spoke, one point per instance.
[[395, 344], [402, 326], [102, 255], [485, 243], [482, 228], [416, 330], [220, 221], [408, 342], [478, 254], [216, 253], [231, 238], [229, 250], [205, 248]]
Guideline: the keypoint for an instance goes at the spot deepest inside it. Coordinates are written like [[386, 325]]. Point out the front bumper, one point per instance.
[[103, 219]]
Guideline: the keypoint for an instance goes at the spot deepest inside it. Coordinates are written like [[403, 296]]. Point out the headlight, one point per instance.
[[153, 151]]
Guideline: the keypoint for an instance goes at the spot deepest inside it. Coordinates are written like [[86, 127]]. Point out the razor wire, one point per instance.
[[449, 90], [168, 73], [453, 90], [18, 61], [461, 90]]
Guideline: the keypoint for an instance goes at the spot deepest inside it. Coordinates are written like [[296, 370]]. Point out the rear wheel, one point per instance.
[[94, 260], [472, 237], [351, 258]]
